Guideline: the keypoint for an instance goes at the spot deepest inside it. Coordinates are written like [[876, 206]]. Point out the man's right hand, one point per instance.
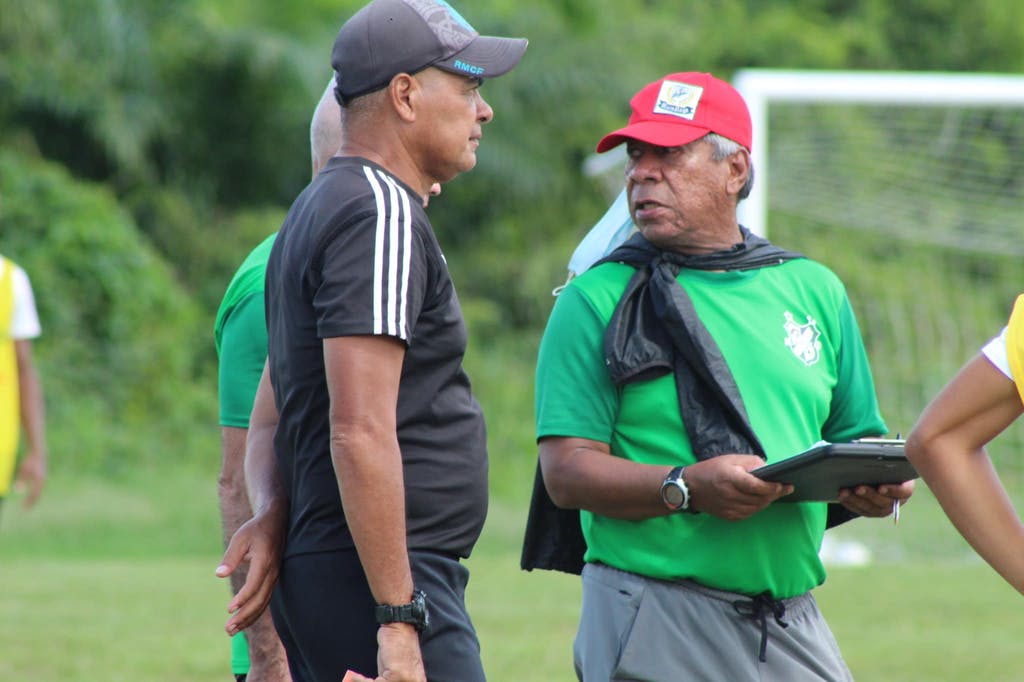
[[398, 654], [259, 542], [724, 487]]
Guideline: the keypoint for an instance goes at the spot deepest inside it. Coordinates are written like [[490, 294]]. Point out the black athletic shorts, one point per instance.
[[323, 612]]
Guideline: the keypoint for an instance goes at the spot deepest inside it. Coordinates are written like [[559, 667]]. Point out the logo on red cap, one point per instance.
[[680, 108], [678, 99]]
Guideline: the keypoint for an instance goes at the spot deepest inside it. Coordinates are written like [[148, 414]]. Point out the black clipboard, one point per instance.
[[817, 474]]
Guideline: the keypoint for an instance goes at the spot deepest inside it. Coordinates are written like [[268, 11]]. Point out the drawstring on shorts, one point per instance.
[[757, 610]]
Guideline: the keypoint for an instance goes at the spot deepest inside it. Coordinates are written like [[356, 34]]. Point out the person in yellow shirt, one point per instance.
[[947, 447], [21, 393]]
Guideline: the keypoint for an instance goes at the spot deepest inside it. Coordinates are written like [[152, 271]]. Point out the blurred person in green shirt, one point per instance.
[[240, 335]]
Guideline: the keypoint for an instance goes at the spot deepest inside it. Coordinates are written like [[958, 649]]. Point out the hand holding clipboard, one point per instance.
[[819, 473]]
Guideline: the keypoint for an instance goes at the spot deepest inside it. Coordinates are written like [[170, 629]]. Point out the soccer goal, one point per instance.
[[911, 187], [936, 153]]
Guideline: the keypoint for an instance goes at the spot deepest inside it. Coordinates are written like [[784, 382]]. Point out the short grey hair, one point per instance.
[[325, 134], [724, 148]]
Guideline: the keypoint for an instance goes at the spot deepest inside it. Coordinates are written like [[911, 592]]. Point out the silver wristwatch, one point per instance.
[[674, 492]]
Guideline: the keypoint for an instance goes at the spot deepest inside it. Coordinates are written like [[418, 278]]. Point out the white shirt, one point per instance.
[[995, 351], [25, 320]]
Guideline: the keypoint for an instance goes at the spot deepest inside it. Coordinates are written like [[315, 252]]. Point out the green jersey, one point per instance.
[[240, 335], [792, 343]]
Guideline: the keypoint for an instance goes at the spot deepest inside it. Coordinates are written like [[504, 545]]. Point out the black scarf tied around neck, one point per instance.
[[655, 330]]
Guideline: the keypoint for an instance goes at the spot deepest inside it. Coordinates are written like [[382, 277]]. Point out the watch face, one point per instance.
[[419, 609], [672, 495]]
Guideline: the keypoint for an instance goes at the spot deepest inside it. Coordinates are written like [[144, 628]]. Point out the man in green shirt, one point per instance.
[[691, 355], [240, 335]]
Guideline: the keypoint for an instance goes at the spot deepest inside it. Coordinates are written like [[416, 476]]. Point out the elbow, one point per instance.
[[562, 498], [558, 481], [920, 445], [359, 446], [914, 447], [231, 484], [229, 479], [572, 468]]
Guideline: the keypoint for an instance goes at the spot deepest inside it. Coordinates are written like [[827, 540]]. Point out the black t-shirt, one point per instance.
[[357, 255]]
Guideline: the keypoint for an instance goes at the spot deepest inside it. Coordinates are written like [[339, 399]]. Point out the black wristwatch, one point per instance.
[[674, 492], [414, 613]]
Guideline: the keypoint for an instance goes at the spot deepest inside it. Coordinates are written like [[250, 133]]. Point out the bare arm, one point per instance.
[[234, 502], [262, 479], [258, 541], [363, 375], [32, 471], [267, 659], [583, 474], [947, 447]]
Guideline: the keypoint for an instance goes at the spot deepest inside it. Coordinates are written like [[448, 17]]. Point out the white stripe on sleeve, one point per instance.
[[378, 254], [391, 258], [406, 242]]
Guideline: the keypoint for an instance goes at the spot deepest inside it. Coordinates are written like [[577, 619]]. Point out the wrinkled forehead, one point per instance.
[[634, 145]]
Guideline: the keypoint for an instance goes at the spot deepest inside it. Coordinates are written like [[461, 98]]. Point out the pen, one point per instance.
[[895, 501]]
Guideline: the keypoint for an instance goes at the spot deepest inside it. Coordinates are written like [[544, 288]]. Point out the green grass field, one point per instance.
[[106, 582]]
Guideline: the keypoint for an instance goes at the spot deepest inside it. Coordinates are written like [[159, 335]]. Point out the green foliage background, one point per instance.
[[146, 146]]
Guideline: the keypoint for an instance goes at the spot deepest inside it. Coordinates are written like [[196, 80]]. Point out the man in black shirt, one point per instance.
[[380, 483]]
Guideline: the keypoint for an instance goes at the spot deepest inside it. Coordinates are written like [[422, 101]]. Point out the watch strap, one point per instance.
[[414, 613]]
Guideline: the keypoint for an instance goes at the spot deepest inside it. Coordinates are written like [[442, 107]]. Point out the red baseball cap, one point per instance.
[[682, 107]]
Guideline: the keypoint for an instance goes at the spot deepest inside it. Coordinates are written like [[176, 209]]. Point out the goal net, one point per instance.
[[911, 187]]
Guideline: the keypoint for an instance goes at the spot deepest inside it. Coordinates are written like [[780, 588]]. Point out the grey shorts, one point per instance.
[[634, 629]]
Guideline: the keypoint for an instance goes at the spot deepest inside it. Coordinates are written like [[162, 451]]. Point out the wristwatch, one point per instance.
[[414, 613], [674, 492]]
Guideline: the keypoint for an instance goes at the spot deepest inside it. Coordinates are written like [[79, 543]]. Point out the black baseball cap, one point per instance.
[[388, 37]]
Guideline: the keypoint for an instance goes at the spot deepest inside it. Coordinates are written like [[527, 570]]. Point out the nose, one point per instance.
[[484, 112], [642, 165]]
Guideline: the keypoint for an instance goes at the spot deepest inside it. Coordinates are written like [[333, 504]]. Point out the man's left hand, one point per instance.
[[877, 502]]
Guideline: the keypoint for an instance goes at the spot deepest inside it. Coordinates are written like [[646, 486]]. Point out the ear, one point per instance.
[[403, 91], [739, 170]]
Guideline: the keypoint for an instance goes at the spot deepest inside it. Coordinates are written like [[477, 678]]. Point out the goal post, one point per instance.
[[761, 88]]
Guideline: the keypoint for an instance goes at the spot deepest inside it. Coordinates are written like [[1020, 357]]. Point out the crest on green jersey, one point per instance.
[[802, 339]]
